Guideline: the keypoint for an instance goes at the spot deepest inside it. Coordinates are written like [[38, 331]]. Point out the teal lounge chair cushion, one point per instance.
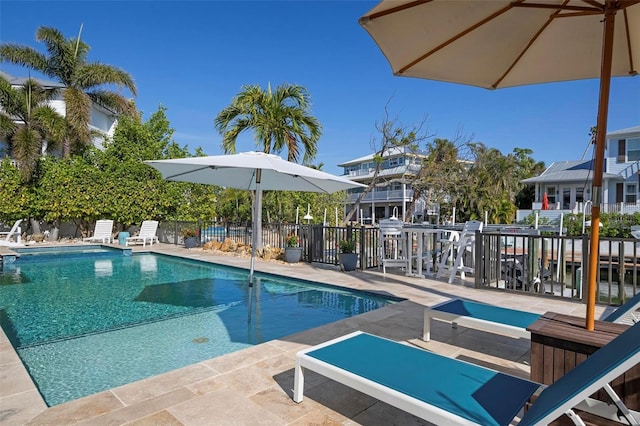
[[472, 392], [490, 313]]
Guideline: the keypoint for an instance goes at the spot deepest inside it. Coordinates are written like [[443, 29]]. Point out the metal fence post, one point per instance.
[[175, 234], [363, 260], [585, 270]]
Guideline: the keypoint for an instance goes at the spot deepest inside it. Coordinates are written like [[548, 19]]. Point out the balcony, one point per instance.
[[390, 171], [383, 196]]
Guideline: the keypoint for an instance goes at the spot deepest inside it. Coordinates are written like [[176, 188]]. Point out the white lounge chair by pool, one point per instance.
[[147, 233], [444, 390], [503, 320], [103, 232], [15, 233]]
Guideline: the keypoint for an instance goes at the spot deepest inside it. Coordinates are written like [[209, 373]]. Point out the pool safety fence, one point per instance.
[[508, 259]]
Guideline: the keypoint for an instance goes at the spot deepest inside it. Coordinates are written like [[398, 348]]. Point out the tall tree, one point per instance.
[[27, 121], [440, 173], [66, 62], [394, 138], [279, 120]]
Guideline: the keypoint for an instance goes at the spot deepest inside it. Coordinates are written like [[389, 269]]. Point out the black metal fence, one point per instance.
[[518, 261], [319, 243], [556, 265]]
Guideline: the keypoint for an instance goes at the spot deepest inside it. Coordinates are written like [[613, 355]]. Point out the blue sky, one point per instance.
[[193, 57]]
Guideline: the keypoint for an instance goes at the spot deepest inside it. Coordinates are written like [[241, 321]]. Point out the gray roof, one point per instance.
[[391, 152], [569, 171], [620, 132], [19, 81]]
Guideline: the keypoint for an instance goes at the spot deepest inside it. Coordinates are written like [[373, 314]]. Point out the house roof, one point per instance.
[[569, 171], [620, 132], [19, 81], [398, 150]]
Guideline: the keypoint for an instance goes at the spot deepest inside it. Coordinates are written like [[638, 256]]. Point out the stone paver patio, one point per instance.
[[254, 386]]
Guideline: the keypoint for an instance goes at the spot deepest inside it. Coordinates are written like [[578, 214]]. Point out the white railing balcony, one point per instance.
[[624, 208], [389, 196]]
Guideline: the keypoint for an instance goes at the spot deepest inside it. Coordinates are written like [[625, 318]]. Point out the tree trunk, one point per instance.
[[55, 231], [35, 226], [66, 148]]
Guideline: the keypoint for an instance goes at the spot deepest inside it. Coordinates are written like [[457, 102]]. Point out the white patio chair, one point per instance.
[[15, 233], [392, 245], [456, 249], [147, 233], [103, 232]]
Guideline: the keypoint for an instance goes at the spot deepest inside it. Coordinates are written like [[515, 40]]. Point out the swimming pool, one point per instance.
[[83, 322]]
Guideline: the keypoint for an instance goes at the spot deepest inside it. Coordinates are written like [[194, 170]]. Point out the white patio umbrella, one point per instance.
[[504, 43], [254, 171]]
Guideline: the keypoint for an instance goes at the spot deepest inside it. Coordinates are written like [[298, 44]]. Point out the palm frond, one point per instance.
[[96, 74], [24, 56], [112, 101], [78, 113]]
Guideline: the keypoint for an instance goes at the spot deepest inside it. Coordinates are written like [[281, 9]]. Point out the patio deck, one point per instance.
[[254, 386]]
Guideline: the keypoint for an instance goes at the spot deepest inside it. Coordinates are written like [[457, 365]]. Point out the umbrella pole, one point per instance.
[[253, 225], [603, 106]]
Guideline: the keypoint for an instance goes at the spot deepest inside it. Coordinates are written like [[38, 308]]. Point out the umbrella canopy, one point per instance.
[[252, 171], [545, 202], [240, 171], [503, 43]]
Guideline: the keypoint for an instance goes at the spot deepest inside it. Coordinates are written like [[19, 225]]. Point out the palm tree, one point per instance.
[[279, 119], [67, 62], [26, 121]]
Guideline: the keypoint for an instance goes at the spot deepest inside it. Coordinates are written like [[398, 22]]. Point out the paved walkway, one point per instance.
[[254, 386]]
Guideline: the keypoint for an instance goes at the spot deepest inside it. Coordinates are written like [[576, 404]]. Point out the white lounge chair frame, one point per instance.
[[15, 232], [576, 397], [103, 232], [432, 312], [147, 233]]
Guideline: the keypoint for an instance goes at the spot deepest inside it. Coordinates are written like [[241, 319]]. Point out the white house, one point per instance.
[[568, 183], [102, 119], [392, 194]]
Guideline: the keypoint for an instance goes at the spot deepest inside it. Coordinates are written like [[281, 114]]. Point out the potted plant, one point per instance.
[[190, 236], [347, 256], [292, 250]]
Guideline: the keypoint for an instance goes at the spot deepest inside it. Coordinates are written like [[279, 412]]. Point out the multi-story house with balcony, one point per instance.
[[102, 119], [568, 183], [392, 194]]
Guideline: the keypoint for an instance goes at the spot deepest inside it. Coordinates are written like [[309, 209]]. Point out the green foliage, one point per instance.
[[15, 196], [114, 183], [292, 240], [190, 232], [348, 245], [84, 81], [614, 225], [492, 183], [26, 120]]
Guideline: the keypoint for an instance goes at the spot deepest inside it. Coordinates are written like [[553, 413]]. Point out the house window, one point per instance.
[[622, 151], [633, 149], [394, 162], [579, 195], [566, 198], [551, 195], [631, 193]]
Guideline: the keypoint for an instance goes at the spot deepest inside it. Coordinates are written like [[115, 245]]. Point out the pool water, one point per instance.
[[86, 322]]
